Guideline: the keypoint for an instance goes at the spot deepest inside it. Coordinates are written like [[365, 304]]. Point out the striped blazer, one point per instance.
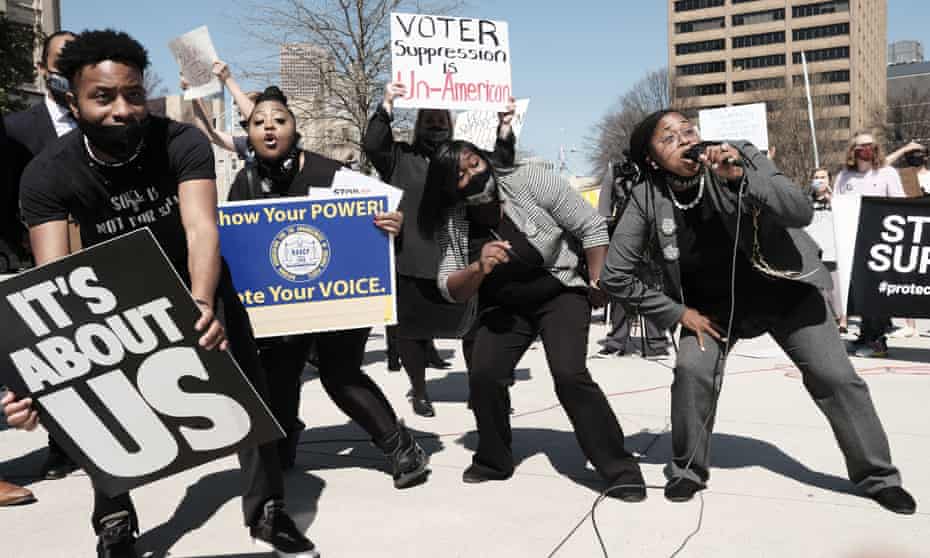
[[556, 220]]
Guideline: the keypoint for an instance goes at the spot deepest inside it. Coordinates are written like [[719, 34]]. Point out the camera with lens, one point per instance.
[[626, 171]]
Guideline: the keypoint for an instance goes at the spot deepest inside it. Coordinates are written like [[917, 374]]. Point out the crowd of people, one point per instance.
[[491, 250]]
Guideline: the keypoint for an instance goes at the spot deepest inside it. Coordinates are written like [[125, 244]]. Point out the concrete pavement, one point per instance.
[[778, 487]]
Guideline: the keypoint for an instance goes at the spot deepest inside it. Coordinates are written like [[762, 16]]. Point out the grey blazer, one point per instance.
[[774, 210]]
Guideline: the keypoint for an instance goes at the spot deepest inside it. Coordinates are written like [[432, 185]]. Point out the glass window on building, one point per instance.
[[758, 84], [700, 46], [759, 62], [753, 18], [701, 68], [700, 25], [688, 5], [819, 32], [702, 90], [819, 55], [759, 39], [820, 8]]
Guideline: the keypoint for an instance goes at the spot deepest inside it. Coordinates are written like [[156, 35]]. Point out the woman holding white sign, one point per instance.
[[282, 169], [422, 314], [526, 249]]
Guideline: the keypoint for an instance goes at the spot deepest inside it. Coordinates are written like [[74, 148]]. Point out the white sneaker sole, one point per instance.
[[307, 554]]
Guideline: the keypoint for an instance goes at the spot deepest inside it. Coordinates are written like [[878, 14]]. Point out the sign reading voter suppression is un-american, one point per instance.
[[304, 265], [451, 62], [103, 341]]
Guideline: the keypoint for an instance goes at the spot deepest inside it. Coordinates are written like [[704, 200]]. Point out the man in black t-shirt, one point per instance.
[[121, 170]]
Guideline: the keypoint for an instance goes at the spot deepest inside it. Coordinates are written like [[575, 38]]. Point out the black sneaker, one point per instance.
[[896, 499], [681, 489], [276, 530], [408, 460], [116, 538]]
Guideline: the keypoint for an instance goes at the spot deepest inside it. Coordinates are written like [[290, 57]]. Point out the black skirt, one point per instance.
[[423, 313]]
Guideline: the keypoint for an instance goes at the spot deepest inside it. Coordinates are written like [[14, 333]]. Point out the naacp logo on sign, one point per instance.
[[300, 253]]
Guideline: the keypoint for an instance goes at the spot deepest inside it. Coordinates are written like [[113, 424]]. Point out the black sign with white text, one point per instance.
[[891, 263], [104, 343]]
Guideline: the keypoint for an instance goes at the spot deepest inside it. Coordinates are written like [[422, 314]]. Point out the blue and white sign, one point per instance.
[[302, 265]]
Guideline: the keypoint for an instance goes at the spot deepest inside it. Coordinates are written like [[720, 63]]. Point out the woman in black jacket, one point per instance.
[[281, 169], [422, 313]]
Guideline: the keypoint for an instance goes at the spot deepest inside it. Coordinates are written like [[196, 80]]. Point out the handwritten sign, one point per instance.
[[480, 126], [451, 62], [195, 55], [739, 122], [104, 343]]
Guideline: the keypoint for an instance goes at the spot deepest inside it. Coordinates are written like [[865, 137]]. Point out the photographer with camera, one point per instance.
[[723, 227], [612, 202]]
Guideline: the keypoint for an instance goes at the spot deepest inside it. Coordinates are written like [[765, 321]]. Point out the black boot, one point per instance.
[[896, 499], [117, 538], [629, 486], [58, 465], [681, 489], [408, 460], [276, 529], [433, 360]]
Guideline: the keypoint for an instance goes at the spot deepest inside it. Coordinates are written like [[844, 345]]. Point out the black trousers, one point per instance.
[[501, 338], [618, 338], [340, 356], [261, 468]]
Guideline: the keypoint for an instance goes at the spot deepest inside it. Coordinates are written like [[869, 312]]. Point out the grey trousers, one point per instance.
[[806, 332]]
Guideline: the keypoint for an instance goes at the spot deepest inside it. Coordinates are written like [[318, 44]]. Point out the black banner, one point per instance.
[[891, 266], [104, 343]]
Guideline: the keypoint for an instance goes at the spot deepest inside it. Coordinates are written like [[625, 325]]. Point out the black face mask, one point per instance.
[[916, 159], [120, 142], [58, 88], [431, 138], [482, 204]]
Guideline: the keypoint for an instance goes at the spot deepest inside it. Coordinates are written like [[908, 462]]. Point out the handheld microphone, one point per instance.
[[695, 151]]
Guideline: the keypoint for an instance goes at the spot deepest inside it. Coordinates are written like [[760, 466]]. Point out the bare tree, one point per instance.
[[350, 54], [908, 117], [154, 84], [611, 135]]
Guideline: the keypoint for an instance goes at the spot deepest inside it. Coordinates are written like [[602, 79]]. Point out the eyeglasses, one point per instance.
[[672, 139]]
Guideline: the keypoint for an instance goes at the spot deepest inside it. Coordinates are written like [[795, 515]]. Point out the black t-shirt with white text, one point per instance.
[[110, 201]]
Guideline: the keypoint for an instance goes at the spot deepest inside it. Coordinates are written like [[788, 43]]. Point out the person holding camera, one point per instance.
[[526, 250], [722, 226]]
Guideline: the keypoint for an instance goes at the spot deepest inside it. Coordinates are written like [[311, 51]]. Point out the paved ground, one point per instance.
[[778, 487]]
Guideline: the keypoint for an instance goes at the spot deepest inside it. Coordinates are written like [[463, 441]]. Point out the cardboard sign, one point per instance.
[[303, 265], [821, 230], [480, 126], [738, 122], [451, 62], [104, 343], [884, 268], [195, 55]]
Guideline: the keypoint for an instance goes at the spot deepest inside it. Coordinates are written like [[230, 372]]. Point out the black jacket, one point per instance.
[[404, 166], [27, 134]]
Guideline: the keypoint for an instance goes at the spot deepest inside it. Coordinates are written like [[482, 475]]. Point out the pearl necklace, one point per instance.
[[693, 203]]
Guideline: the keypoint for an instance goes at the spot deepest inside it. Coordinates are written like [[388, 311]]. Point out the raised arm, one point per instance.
[[221, 71], [378, 142], [896, 155]]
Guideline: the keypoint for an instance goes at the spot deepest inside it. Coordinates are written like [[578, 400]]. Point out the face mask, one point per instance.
[[818, 184], [58, 88], [916, 159], [481, 203], [120, 142], [431, 138], [864, 153]]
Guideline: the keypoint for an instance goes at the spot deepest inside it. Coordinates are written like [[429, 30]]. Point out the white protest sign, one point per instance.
[[822, 231], [195, 55], [480, 126], [451, 62], [739, 122]]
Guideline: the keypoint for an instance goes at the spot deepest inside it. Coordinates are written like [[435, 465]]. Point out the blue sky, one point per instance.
[[573, 59]]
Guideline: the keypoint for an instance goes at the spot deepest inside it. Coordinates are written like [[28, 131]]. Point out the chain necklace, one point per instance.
[[693, 203]]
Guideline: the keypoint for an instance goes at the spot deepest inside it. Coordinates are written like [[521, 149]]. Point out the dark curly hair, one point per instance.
[[93, 47]]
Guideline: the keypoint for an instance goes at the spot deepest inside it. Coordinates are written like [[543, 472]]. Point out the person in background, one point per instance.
[[653, 342], [245, 101], [282, 169], [30, 131], [724, 229], [526, 250], [120, 151], [866, 174], [10, 494], [422, 312], [822, 193]]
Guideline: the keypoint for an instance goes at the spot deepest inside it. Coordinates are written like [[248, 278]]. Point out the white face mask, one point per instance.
[[818, 184]]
